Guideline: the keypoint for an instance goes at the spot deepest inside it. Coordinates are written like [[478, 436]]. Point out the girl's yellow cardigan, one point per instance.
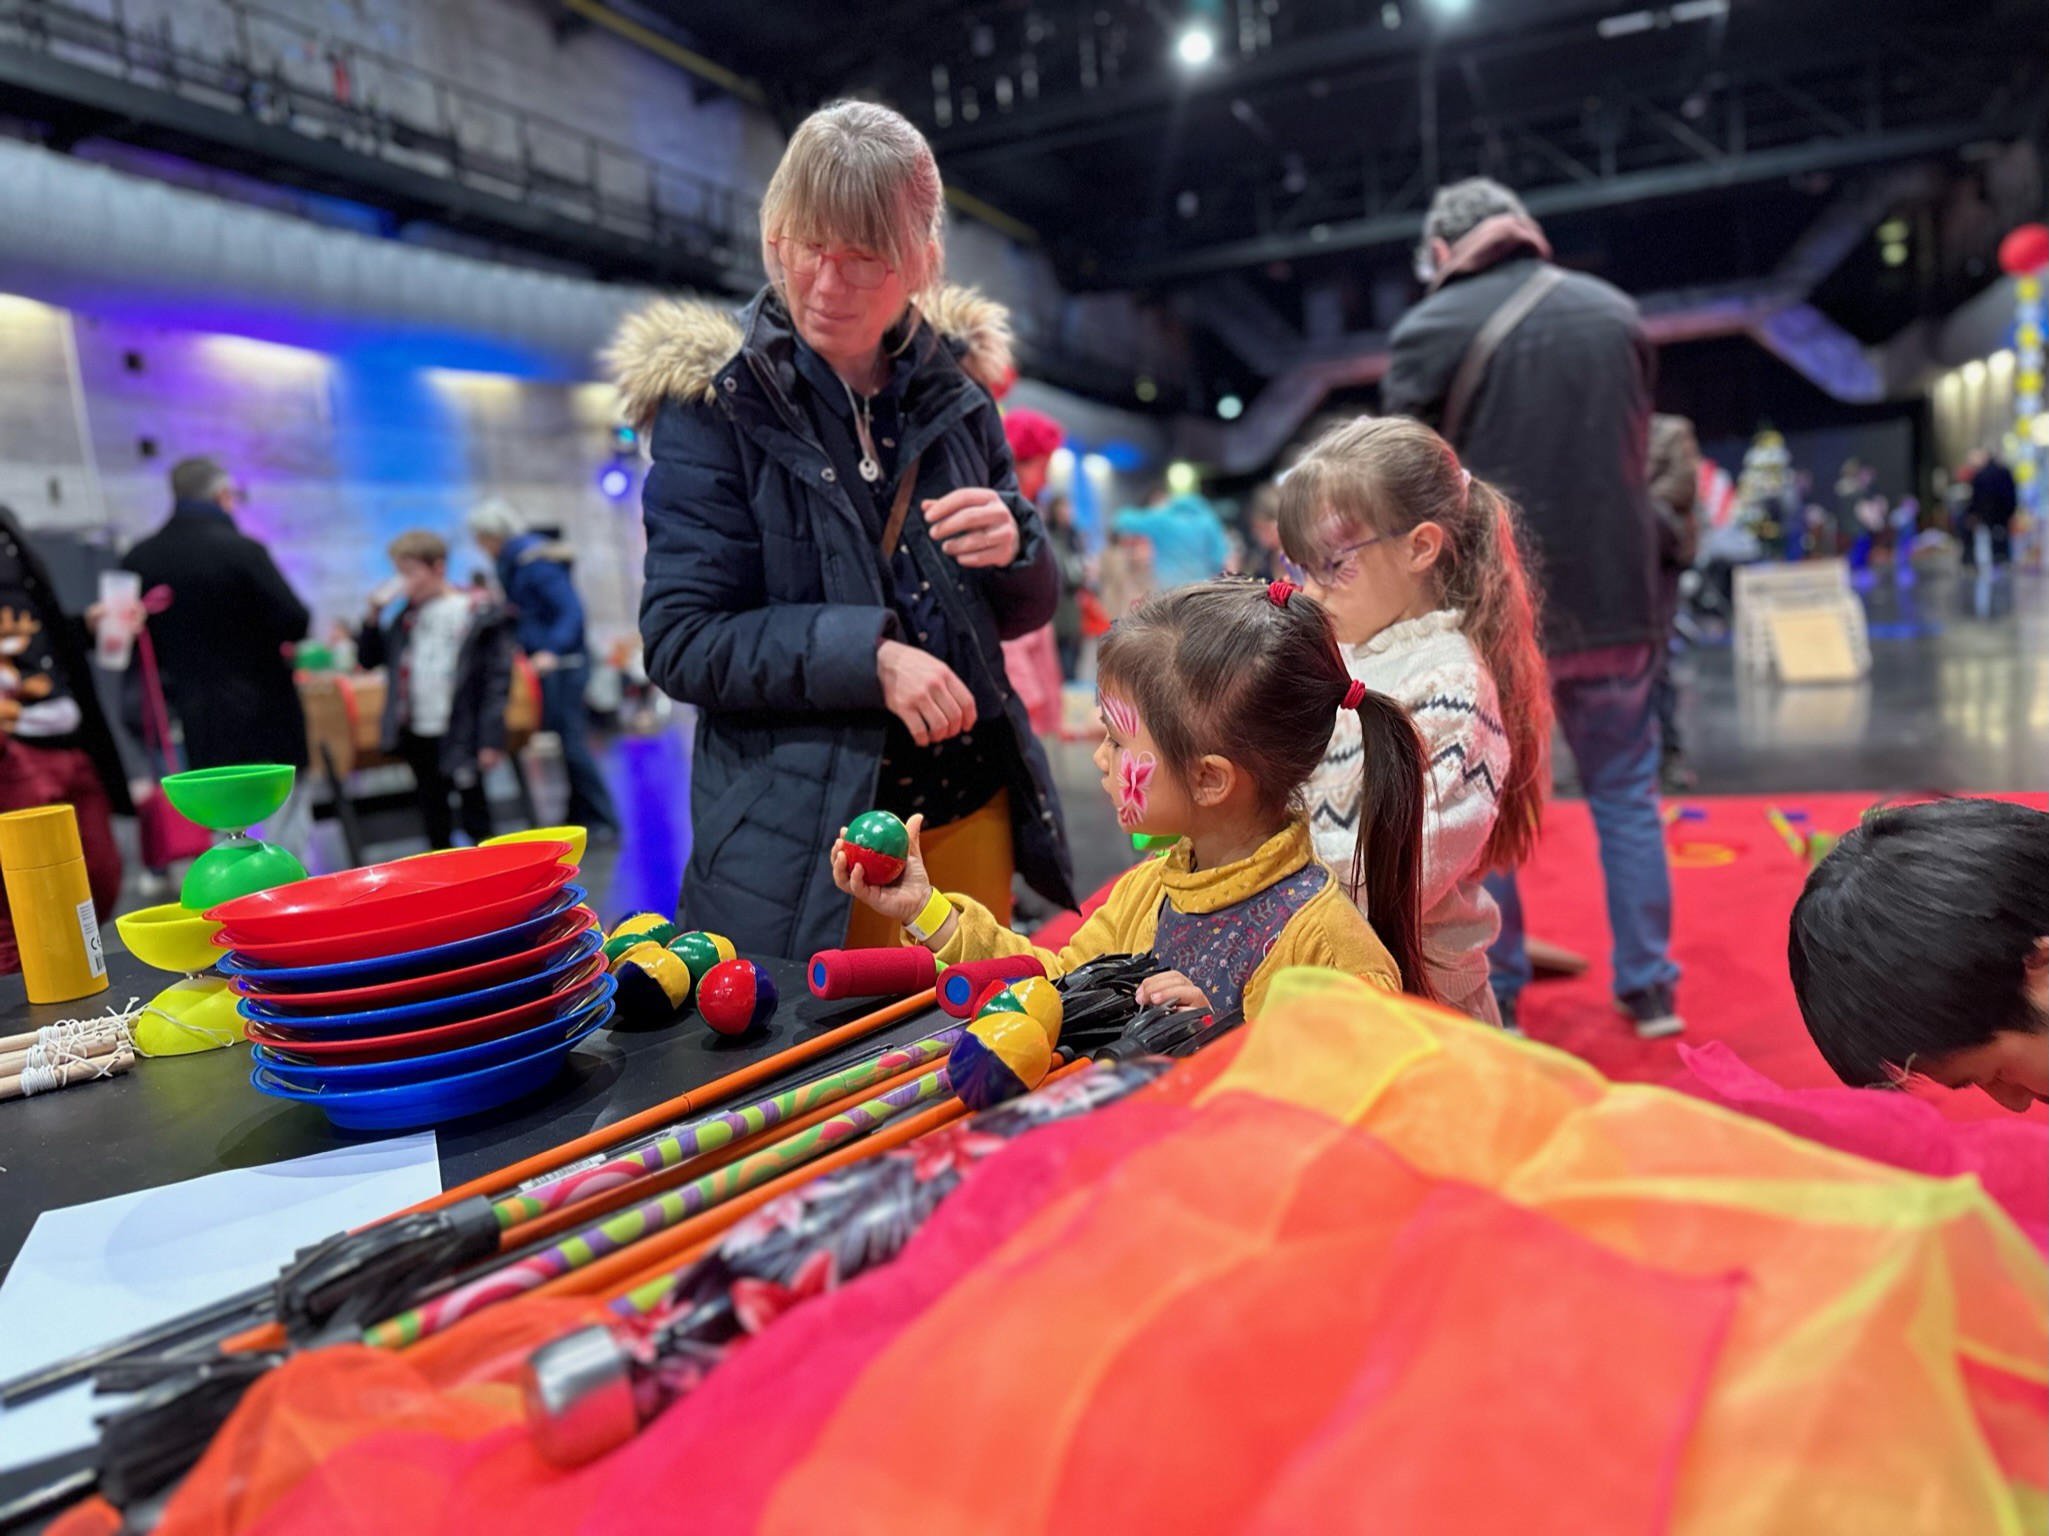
[[1327, 930]]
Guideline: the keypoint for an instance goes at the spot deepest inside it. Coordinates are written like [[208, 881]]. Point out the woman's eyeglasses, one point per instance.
[[1335, 569], [800, 258]]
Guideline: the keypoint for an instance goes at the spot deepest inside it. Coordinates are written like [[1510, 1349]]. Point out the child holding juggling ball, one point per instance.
[[1218, 701]]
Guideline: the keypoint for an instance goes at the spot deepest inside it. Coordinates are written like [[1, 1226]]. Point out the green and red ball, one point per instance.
[[877, 844]]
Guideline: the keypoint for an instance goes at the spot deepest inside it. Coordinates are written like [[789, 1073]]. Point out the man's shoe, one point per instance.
[[1653, 1012]]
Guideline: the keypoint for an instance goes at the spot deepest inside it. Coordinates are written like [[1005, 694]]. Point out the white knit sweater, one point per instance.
[[1431, 668]]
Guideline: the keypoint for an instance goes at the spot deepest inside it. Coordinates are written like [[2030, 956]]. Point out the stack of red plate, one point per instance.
[[409, 993]]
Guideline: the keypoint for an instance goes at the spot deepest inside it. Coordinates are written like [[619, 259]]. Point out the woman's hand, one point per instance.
[[902, 899], [923, 692], [974, 526], [1174, 989]]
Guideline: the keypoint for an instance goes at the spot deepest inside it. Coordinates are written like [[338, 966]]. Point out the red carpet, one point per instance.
[[1734, 884]]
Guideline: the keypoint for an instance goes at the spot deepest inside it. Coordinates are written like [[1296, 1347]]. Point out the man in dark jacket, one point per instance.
[[534, 571], [1560, 420], [222, 641]]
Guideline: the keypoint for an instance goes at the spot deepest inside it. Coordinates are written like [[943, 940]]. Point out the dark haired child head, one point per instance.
[[1921, 946], [1218, 702]]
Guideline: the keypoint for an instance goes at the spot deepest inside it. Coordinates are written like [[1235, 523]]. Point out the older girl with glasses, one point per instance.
[[1420, 567], [836, 550]]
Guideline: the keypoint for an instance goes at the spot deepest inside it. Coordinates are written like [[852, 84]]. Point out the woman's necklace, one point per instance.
[[871, 466]]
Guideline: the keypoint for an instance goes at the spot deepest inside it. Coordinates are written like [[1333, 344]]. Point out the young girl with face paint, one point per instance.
[[1217, 703]]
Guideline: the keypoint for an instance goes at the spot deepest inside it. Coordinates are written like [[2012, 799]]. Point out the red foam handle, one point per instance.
[[962, 987], [837, 973]]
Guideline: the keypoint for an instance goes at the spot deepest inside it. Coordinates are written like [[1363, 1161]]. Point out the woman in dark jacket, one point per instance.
[[837, 548]]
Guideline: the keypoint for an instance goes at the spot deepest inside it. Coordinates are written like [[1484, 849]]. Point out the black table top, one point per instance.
[[178, 1117]]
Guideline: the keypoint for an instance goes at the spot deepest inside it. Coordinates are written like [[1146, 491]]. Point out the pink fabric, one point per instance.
[[2010, 1156], [1033, 662]]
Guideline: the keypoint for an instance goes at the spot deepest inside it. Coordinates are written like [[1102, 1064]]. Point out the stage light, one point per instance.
[[1230, 407], [1095, 466], [1894, 255], [1182, 479], [1060, 466], [615, 480], [1196, 46], [1146, 389], [1453, 7]]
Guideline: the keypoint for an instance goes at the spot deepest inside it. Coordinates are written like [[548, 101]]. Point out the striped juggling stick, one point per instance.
[[680, 1143], [629, 1226]]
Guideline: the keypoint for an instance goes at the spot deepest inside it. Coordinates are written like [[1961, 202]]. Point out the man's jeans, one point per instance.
[[1606, 709], [562, 711]]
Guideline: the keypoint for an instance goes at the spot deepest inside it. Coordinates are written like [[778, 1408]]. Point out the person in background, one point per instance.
[[1032, 661], [1418, 564], [55, 745], [447, 655], [1187, 536], [1264, 558], [1675, 483], [1992, 505], [1561, 417], [533, 570], [1125, 573], [224, 641], [1920, 948], [1070, 553]]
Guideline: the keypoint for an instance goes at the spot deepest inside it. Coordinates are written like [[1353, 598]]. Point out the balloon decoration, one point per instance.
[[2024, 254]]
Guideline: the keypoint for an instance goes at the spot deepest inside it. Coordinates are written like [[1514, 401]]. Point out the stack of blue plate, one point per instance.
[[412, 1037]]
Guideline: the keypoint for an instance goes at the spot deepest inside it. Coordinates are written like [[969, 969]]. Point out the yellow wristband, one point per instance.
[[931, 918]]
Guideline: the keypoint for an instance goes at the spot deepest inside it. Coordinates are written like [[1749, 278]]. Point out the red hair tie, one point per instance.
[[1281, 591], [1355, 695]]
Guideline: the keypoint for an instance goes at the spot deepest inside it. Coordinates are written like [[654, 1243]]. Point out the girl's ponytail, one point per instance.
[[1387, 864]]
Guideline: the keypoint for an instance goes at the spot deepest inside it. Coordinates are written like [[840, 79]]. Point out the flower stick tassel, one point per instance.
[[629, 1226]]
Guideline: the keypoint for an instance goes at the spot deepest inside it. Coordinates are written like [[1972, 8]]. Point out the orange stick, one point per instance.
[[671, 1110], [573, 1216]]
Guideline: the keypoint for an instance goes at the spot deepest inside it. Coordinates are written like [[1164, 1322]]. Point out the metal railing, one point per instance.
[[279, 71]]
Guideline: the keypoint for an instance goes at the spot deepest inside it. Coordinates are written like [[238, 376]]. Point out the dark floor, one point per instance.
[[1957, 699]]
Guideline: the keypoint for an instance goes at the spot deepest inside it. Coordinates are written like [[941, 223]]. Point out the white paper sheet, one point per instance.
[[90, 1274]]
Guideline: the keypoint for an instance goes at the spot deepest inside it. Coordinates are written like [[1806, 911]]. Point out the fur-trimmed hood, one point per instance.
[[675, 349]]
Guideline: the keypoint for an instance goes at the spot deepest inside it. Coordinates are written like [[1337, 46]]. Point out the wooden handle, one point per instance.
[[11, 1062], [72, 1072]]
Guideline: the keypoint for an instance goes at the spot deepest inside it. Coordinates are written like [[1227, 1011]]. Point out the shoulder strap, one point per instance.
[[1480, 351], [899, 509]]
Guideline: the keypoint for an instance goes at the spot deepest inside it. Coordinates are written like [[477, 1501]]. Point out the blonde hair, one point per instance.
[[418, 544], [1385, 475], [857, 174]]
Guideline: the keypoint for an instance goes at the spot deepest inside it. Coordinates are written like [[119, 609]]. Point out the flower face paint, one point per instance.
[[1134, 784], [1134, 769]]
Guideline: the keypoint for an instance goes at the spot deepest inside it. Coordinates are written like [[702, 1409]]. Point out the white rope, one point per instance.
[[71, 1040], [37, 1078]]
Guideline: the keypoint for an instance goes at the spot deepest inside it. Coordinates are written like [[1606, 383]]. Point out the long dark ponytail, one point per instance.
[[1242, 671], [1387, 862]]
